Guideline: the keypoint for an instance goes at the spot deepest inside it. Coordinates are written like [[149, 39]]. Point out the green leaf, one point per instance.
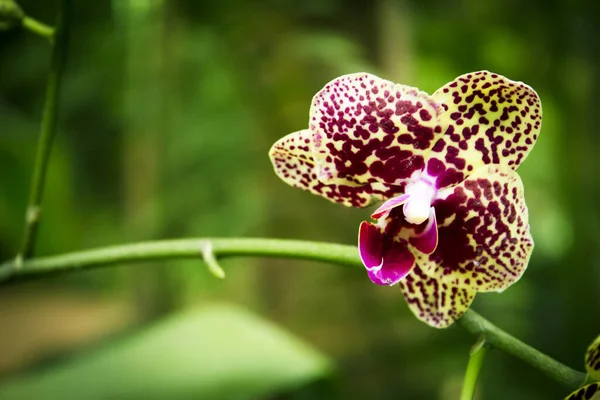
[[217, 352]]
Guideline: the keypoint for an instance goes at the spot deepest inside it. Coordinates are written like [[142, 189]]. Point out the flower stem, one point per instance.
[[501, 340], [37, 27], [326, 252], [183, 248], [48, 128], [476, 357]]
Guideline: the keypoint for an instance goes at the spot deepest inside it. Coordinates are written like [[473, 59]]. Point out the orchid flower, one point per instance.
[[592, 365], [453, 220]]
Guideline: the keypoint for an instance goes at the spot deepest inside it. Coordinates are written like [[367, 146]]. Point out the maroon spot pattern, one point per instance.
[[368, 137], [592, 359], [368, 129], [585, 393], [434, 302], [489, 120], [483, 230], [293, 162]]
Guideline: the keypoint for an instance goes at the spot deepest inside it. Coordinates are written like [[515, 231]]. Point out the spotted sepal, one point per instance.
[[293, 162], [592, 359], [483, 232], [368, 129], [488, 119], [589, 392], [436, 303]]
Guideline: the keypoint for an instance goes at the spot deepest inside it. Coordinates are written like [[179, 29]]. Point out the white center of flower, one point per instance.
[[417, 208]]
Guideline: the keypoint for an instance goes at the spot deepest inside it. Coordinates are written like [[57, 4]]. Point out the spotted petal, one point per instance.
[[368, 129], [589, 392], [293, 161], [436, 303], [592, 359], [489, 119], [483, 229]]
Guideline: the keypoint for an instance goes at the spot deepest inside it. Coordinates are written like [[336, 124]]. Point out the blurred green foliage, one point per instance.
[[169, 109], [217, 352]]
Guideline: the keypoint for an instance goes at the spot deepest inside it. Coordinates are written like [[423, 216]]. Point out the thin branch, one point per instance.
[[37, 27], [183, 248], [48, 128], [326, 252], [476, 357], [501, 340]]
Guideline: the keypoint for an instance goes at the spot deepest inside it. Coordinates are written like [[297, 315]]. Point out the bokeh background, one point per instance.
[[168, 111]]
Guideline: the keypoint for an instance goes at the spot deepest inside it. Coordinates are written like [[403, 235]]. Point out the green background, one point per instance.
[[168, 111]]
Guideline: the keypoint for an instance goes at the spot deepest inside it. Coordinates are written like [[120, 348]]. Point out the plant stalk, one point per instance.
[[229, 247], [37, 27], [48, 129], [476, 357], [499, 339]]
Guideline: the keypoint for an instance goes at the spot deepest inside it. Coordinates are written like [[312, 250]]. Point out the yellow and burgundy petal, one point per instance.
[[592, 359], [294, 164], [368, 129], [483, 232], [434, 302], [387, 259], [589, 392], [488, 119]]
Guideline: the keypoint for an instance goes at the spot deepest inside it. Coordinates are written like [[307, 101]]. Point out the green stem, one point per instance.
[[183, 248], [476, 357], [501, 340], [37, 27], [326, 252], [48, 128]]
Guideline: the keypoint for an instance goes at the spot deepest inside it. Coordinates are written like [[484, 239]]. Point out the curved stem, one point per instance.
[[37, 27], [501, 340], [326, 252], [476, 357], [49, 121], [183, 248]]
